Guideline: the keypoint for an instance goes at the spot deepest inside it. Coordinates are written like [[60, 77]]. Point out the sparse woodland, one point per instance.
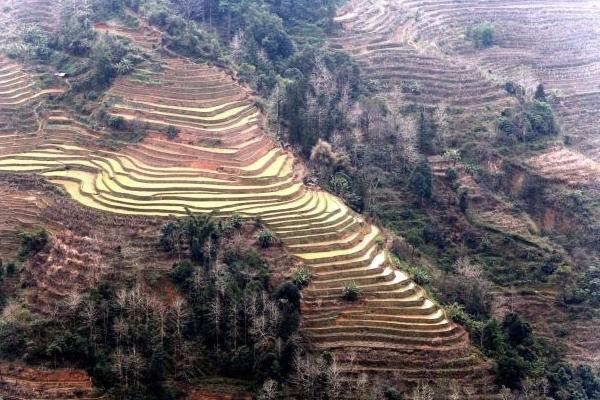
[[476, 181]]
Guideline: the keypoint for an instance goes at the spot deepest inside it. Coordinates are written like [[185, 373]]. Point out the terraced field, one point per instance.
[[21, 383], [19, 210], [85, 244], [146, 38], [20, 123], [380, 34], [221, 161], [576, 332], [556, 43], [567, 166], [42, 13], [17, 14], [487, 209]]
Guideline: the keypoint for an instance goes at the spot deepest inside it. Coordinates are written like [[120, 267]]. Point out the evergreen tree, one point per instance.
[[426, 133], [540, 92], [422, 181]]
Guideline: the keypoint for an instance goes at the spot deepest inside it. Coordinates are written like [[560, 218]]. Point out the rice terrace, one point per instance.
[[296, 199]]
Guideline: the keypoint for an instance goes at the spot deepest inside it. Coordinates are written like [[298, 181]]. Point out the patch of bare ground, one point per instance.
[[19, 382], [566, 166]]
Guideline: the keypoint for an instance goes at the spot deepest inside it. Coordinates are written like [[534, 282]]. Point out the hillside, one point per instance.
[[294, 202], [425, 45]]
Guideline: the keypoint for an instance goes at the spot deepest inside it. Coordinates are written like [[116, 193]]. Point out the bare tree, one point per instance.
[[238, 47], [423, 392], [269, 390], [192, 8], [90, 314]]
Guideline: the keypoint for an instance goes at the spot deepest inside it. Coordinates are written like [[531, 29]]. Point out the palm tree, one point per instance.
[[124, 66]]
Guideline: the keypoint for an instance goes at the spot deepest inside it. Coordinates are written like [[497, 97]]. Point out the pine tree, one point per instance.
[[426, 133]]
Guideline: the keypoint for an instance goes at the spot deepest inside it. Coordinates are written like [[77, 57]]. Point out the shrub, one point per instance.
[[392, 393], [463, 200], [247, 73], [422, 181], [32, 243], [288, 293], [590, 285], [427, 131], [468, 286], [351, 291], [266, 239], [380, 241], [168, 236], [124, 66], [11, 269], [452, 155], [172, 132], [451, 175], [482, 35], [339, 184], [301, 277], [234, 223], [514, 88], [412, 87], [510, 371], [117, 123], [420, 276], [540, 92], [458, 314], [533, 120], [181, 272]]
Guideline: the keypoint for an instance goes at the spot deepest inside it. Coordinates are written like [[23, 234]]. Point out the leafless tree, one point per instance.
[[269, 390], [238, 47], [192, 8], [423, 391], [90, 314]]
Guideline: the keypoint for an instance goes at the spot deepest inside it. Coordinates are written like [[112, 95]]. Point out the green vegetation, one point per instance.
[[185, 36], [523, 361], [266, 239], [32, 243], [225, 320], [351, 291], [426, 133], [301, 277], [534, 120], [482, 35], [195, 236], [422, 180]]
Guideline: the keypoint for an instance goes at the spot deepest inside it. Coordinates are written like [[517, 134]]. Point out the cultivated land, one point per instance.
[[536, 41], [18, 382], [416, 52], [383, 36], [223, 162]]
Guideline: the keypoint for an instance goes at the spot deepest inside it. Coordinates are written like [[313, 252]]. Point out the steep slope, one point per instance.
[[85, 245], [20, 122], [535, 41], [555, 43], [408, 70], [222, 161]]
